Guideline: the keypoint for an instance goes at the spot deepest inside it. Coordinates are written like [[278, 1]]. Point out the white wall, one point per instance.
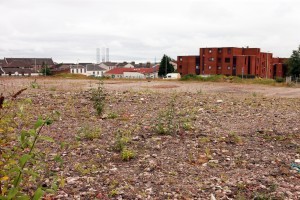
[[135, 75]]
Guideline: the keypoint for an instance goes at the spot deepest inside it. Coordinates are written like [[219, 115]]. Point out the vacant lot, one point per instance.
[[169, 139]]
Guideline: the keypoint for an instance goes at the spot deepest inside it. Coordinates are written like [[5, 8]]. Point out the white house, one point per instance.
[[94, 70], [13, 71], [125, 65], [108, 65], [77, 69]]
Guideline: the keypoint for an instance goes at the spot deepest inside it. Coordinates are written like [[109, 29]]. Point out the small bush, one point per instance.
[[88, 133], [98, 97], [127, 154], [279, 79]]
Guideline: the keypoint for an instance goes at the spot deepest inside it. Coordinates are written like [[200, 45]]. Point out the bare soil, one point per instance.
[[229, 141]]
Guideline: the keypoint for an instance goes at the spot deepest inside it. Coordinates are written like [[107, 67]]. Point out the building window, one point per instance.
[[219, 60], [219, 67], [180, 58], [209, 50], [209, 67], [211, 59], [197, 67], [227, 60], [72, 71], [93, 73], [228, 67], [229, 51], [219, 50], [180, 66]]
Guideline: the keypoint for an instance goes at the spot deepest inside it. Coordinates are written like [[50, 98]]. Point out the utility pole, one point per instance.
[[166, 65]]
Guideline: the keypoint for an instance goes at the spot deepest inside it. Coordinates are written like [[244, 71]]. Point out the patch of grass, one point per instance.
[[112, 115], [166, 120], [88, 133], [123, 137], [233, 138], [204, 140], [127, 154]]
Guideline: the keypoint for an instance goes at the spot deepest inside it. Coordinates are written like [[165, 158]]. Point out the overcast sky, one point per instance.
[[142, 30]]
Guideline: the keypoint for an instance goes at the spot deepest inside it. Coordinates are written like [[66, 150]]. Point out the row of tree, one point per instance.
[[294, 63]]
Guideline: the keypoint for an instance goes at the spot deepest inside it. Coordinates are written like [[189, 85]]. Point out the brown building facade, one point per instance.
[[232, 61]]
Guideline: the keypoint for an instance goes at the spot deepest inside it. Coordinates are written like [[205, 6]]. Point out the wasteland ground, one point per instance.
[[232, 141]]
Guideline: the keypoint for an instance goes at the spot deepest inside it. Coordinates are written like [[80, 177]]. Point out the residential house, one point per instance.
[[108, 65], [125, 65], [78, 69], [94, 70], [24, 66], [133, 73]]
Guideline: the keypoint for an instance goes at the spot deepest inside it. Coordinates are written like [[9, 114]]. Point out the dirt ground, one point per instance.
[[189, 140]]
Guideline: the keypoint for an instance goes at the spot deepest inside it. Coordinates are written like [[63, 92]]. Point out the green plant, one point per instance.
[[166, 121], [89, 133], [98, 97], [233, 138], [127, 154], [122, 138], [112, 115], [34, 85], [16, 172], [187, 126]]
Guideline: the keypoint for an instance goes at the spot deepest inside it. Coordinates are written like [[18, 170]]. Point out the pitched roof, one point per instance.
[[17, 64], [77, 67], [32, 61], [109, 63], [12, 70], [139, 70], [94, 67]]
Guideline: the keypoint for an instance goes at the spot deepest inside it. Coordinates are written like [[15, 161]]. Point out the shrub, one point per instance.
[[279, 79], [98, 97], [127, 154], [89, 133]]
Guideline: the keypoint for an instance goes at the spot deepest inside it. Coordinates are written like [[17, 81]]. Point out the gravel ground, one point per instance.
[[221, 140]]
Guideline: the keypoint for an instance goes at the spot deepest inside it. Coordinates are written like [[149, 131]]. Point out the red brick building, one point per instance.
[[232, 61]]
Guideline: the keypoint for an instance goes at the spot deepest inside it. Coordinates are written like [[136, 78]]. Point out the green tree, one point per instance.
[[45, 70], [294, 63], [165, 66]]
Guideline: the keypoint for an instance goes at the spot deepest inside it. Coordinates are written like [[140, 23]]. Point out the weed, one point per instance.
[[127, 154], [204, 140], [233, 138], [187, 126], [88, 133], [166, 123], [122, 139], [98, 97], [34, 84], [112, 115]]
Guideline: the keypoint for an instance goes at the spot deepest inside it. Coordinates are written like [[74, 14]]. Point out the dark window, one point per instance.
[[229, 51], [227, 60], [219, 50], [219, 60], [211, 59], [180, 66], [219, 67]]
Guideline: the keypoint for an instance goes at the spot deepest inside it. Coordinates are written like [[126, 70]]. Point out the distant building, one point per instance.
[[24, 66], [232, 61], [87, 70], [133, 73]]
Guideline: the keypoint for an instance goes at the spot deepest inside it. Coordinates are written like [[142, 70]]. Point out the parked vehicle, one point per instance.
[[172, 76]]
